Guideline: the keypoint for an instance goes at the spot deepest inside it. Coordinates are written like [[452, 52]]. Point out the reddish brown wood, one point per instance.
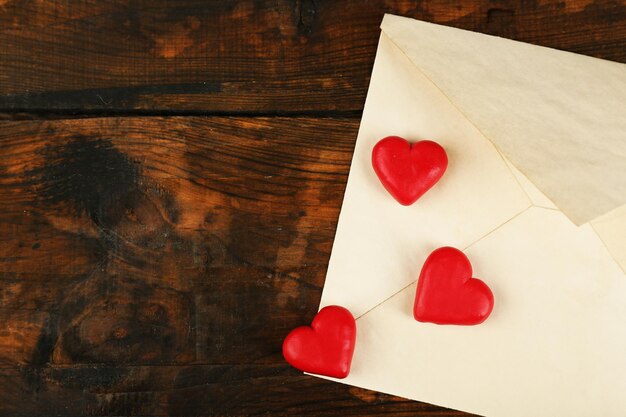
[[264, 56], [152, 265], [192, 390]]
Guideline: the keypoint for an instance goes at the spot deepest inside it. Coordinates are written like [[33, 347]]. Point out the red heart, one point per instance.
[[447, 293], [407, 170], [326, 347]]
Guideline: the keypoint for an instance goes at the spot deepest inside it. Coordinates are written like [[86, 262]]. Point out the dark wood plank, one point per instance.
[[184, 213], [269, 56], [192, 390], [152, 266]]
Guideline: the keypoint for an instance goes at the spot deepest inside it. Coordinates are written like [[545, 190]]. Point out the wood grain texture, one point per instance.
[[152, 266], [267, 56], [193, 390]]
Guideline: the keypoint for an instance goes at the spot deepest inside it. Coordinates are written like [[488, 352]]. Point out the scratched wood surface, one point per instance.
[[171, 174], [262, 56]]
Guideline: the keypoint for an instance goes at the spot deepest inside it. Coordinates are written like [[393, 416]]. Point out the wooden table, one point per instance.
[[170, 179]]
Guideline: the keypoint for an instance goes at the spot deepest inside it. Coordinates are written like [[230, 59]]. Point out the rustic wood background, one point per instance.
[[171, 174]]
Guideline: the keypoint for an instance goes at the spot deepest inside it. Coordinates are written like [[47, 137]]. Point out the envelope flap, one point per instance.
[[611, 228], [557, 116]]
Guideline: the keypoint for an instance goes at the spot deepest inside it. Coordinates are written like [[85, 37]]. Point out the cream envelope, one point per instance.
[[523, 126]]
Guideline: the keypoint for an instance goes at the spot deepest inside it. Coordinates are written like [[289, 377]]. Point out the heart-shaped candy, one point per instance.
[[326, 347], [447, 293], [408, 170]]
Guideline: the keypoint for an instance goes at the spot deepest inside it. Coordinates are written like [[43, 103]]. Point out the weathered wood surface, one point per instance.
[[152, 265], [267, 56]]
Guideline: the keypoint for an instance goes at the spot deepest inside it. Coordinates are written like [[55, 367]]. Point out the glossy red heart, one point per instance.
[[326, 347], [408, 170], [447, 293]]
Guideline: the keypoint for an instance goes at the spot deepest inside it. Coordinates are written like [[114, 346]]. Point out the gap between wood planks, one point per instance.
[[17, 115]]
